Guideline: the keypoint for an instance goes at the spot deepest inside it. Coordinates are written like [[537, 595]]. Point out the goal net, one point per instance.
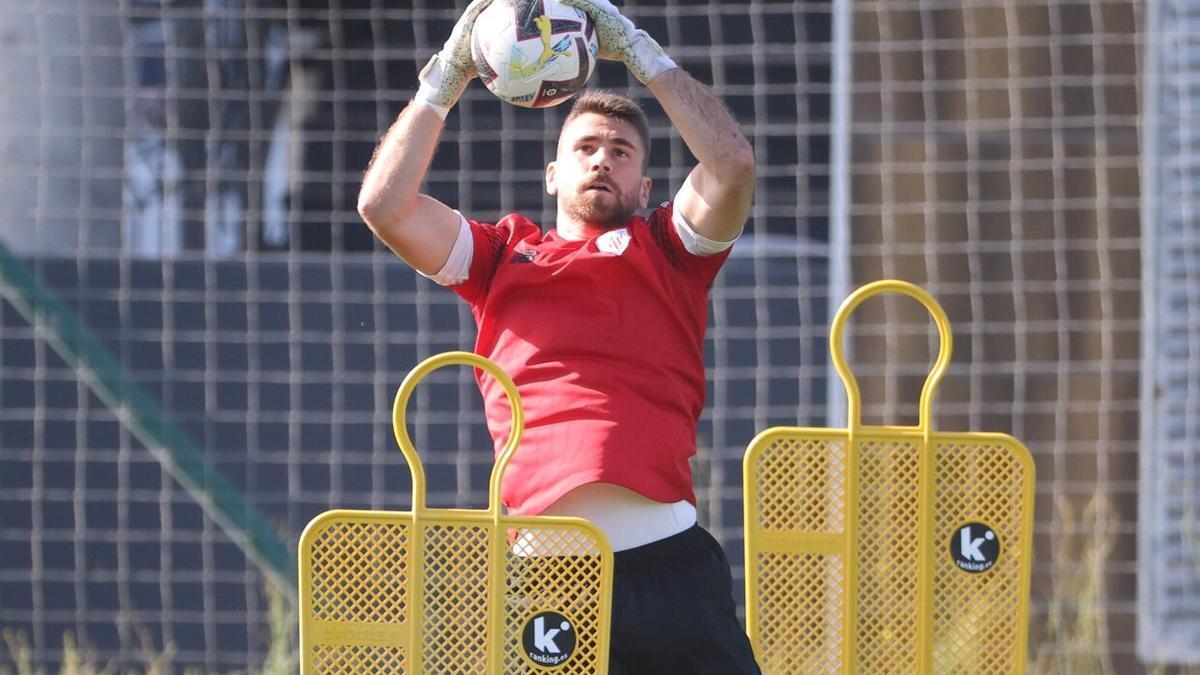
[[199, 339]]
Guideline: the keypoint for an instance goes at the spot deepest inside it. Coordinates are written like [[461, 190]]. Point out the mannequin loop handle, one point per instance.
[[400, 421], [837, 353]]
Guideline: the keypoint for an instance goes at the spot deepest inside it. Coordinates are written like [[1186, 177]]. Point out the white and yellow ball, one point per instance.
[[533, 53]]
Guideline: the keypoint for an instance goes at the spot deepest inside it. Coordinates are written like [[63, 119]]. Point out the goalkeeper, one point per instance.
[[600, 323]]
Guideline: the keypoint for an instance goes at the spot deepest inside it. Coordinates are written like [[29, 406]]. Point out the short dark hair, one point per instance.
[[614, 105]]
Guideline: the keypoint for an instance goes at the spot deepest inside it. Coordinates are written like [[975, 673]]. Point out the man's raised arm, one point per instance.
[[418, 228], [715, 198]]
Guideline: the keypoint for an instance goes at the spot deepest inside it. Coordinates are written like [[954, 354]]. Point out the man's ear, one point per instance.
[[551, 188], [644, 197]]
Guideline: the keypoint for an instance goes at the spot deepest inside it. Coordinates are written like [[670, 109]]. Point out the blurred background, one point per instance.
[[200, 340]]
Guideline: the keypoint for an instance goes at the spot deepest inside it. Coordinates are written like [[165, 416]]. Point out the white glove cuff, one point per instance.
[[439, 88], [649, 59], [426, 96]]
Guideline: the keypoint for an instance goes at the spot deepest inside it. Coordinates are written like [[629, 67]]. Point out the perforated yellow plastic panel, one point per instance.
[[453, 590], [888, 549]]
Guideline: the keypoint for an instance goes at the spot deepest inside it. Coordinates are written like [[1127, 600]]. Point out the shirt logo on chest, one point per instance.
[[614, 242], [522, 257]]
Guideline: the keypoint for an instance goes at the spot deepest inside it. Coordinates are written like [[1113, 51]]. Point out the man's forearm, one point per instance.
[[399, 165], [704, 122], [715, 198]]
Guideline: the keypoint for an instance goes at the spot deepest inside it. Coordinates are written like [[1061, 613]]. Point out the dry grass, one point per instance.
[[281, 656], [1073, 639]]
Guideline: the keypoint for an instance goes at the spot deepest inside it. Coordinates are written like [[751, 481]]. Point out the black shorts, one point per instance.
[[673, 610]]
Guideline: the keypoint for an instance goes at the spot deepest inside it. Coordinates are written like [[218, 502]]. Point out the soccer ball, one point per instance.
[[533, 53]]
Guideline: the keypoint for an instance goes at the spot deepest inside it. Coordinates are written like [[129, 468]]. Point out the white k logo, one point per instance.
[[544, 639], [970, 547]]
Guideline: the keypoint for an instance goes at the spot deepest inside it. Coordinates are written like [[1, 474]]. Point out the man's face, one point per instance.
[[597, 173]]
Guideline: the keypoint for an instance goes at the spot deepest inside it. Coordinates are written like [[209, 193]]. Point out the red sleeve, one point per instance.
[[703, 268], [490, 246]]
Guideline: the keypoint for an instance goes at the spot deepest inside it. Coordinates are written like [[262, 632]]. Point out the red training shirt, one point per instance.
[[603, 339]]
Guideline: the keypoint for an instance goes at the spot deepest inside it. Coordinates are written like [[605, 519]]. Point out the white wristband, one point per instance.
[[650, 58], [422, 97], [436, 91]]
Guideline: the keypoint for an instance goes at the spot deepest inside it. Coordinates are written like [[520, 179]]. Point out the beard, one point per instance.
[[604, 210]]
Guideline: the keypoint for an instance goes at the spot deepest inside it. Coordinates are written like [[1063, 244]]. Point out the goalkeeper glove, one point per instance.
[[621, 41], [446, 75]]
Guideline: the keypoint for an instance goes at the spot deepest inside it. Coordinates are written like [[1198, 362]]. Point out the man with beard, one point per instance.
[[600, 323]]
